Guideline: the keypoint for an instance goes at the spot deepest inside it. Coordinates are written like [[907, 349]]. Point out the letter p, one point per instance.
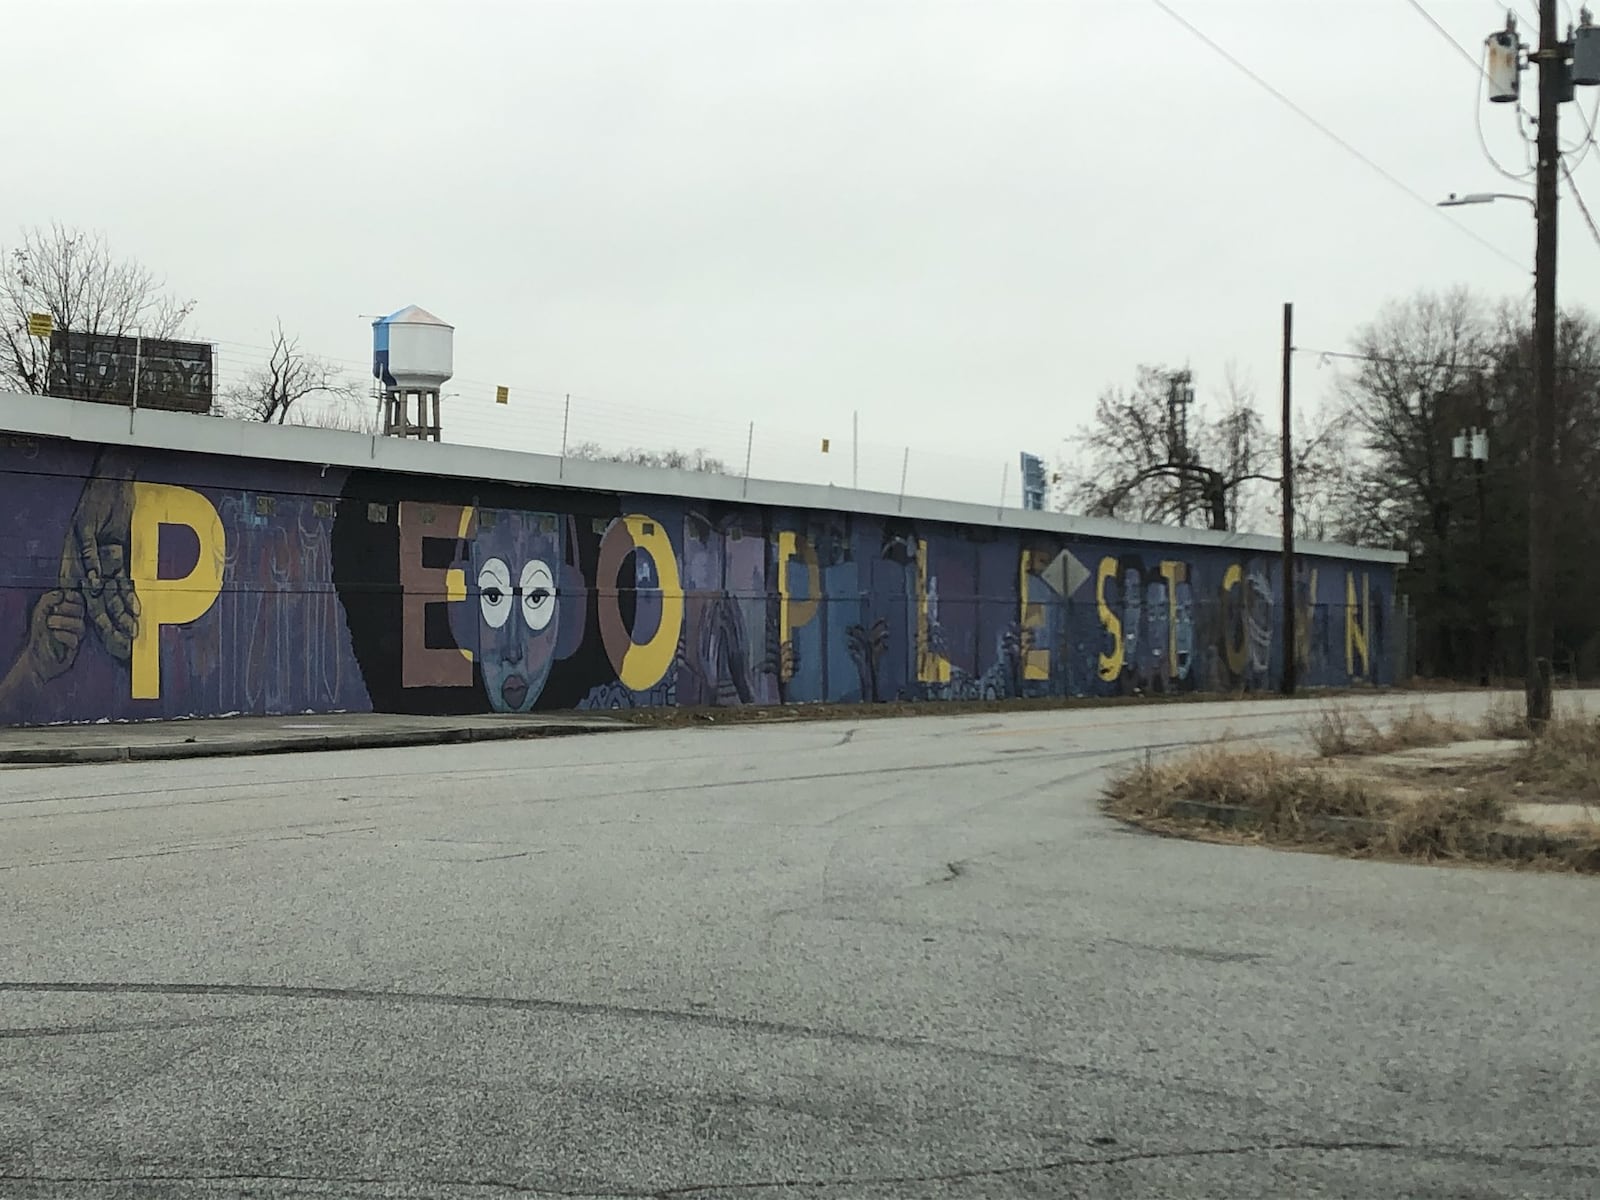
[[169, 601]]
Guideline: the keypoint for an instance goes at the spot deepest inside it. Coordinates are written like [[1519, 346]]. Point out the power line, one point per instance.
[[1588, 142], [1481, 71], [1578, 196], [1503, 7], [1305, 116], [1388, 360], [1476, 64], [1424, 364], [1478, 102]]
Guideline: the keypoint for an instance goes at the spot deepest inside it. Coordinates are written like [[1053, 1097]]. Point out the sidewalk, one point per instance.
[[220, 736]]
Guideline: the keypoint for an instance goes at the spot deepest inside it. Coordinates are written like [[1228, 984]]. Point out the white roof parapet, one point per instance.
[[73, 420]]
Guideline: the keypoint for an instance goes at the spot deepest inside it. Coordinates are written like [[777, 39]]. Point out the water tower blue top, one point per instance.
[[412, 350]]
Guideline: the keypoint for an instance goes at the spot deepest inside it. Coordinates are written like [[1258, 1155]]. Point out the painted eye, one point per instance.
[[538, 589], [494, 592]]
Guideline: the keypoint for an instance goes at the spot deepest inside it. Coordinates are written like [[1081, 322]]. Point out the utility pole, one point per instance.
[[1552, 59], [1290, 666], [1564, 66]]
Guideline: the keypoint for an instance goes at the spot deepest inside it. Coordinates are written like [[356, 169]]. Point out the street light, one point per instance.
[[1474, 445], [1455, 201]]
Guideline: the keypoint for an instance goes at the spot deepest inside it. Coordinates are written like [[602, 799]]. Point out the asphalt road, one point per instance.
[[901, 959]]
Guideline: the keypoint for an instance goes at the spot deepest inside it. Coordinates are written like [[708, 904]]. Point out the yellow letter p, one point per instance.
[[169, 601]]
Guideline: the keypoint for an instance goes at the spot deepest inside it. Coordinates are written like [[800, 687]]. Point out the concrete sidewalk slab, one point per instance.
[[1451, 754], [229, 736], [1580, 818]]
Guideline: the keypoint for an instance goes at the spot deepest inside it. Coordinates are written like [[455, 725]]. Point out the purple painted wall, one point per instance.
[[145, 584]]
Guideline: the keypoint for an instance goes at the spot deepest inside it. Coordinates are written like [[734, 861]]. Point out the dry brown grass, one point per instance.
[[1564, 761], [1277, 798], [1450, 824], [1337, 731], [1505, 718], [1279, 792]]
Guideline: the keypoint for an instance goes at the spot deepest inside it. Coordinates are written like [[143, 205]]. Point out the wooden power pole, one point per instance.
[[1541, 453], [1290, 666]]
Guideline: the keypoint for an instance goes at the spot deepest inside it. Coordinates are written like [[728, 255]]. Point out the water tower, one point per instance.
[[412, 356]]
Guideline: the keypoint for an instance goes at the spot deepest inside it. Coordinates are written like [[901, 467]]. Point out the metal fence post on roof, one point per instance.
[[749, 447], [138, 353], [566, 418]]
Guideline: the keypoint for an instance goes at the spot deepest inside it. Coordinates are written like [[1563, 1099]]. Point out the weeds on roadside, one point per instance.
[[1336, 731], [1565, 759], [1284, 799], [1449, 824], [1504, 718], [1276, 789]]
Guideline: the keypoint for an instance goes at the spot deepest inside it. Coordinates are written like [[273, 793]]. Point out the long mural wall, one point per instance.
[[145, 584]]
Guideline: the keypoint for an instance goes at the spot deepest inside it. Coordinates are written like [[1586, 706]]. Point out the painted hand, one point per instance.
[[54, 633], [95, 560]]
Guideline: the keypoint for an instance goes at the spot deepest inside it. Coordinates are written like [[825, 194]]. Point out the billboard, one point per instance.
[[171, 375]]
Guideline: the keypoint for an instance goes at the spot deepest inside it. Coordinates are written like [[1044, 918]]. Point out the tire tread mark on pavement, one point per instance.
[[498, 772], [580, 1008], [84, 1107], [93, 1028], [818, 1184], [908, 768], [343, 1181], [1110, 1160], [196, 848], [1031, 789]]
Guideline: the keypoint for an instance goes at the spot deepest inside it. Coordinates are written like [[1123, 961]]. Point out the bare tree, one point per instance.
[[349, 414], [681, 460], [1142, 460], [1428, 368], [1322, 476], [277, 391], [1421, 367], [1236, 444], [74, 276]]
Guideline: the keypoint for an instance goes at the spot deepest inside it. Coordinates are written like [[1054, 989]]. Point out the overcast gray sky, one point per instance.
[[961, 219]]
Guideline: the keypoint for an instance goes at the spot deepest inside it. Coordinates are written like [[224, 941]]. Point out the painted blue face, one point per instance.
[[515, 557], [1185, 637]]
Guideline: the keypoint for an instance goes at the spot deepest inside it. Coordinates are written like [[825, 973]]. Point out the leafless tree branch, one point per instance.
[[74, 276], [277, 391], [681, 460]]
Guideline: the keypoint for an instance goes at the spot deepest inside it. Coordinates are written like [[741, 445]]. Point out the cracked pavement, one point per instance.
[[892, 960]]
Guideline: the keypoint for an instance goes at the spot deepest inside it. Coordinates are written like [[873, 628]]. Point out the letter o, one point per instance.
[[639, 665]]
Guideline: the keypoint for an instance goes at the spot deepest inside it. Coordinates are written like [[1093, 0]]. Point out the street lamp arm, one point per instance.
[[1455, 201]]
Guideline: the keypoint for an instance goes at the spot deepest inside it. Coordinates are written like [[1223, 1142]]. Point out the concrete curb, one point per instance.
[[1509, 844], [249, 746]]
